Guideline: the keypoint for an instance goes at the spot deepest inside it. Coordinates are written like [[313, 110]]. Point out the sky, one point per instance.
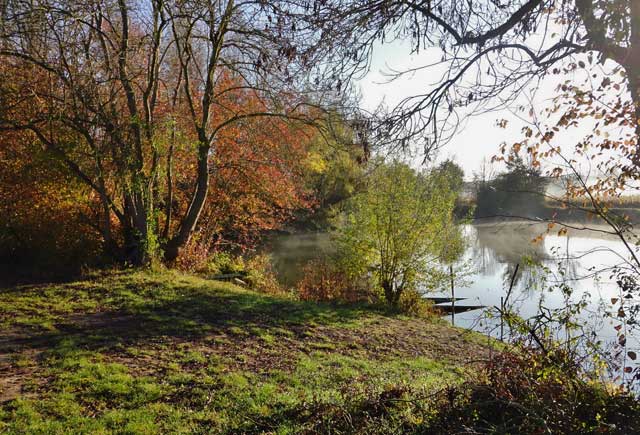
[[479, 138]]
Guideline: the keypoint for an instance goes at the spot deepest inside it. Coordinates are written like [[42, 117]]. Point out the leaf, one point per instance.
[[632, 355]]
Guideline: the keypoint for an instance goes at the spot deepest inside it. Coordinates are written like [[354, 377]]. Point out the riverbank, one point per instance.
[[170, 353]]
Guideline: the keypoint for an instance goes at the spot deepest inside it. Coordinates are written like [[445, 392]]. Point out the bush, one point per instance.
[[529, 392], [260, 275], [223, 263], [401, 227], [323, 281], [413, 303], [255, 272], [194, 256]]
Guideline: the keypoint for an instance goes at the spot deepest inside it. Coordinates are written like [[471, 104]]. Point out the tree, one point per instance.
[[334, 168], [101, 84], [257, 182], [42, 207], [517, 192], [491, 50], [400, 226], [51, 220]]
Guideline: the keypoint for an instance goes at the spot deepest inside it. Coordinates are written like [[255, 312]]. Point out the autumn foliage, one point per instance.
[[186, 120], [45, 213], [257, 181], [257, 176]]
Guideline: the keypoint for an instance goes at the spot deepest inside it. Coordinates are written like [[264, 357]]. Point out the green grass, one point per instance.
[[147, 353]]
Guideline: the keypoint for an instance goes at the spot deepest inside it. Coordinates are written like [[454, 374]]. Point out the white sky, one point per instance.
[[479, 138]]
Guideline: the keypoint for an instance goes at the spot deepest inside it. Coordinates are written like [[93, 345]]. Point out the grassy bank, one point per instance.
[[169, 353]]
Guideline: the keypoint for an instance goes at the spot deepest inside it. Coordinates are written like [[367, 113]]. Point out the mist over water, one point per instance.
[[494, 250]]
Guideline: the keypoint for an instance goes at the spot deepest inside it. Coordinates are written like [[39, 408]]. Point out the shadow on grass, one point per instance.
[[133, 313]]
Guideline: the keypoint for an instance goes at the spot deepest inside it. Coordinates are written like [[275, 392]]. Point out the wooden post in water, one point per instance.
[[504, 300], [453, 298], [501, 318]]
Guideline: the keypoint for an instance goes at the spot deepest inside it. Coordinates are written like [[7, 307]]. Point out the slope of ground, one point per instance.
[[167, 353]]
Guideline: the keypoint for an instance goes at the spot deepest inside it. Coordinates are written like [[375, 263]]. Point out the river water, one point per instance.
[[493, 251]]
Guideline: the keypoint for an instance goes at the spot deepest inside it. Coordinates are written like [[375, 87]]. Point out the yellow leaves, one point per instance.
[[562, 232], [316, 163]]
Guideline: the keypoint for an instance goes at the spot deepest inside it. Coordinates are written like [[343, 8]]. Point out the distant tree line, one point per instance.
[[519, 191]]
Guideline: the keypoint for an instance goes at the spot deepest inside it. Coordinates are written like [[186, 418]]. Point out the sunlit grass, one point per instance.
[[164, 352]]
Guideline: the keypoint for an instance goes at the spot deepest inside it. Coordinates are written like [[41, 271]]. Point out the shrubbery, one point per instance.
[[401, 228], [529, 392], [323, 281], [253, 272], [514, 393]]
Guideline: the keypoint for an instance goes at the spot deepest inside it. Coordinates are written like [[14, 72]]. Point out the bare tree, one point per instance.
[[490, 50]]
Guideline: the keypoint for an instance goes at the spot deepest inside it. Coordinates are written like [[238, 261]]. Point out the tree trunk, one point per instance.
[[634, 87], [632, 67], [389, 293], [137, 246], [188, 226]]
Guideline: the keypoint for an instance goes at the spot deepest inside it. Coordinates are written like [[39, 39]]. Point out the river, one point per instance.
[[493, 251]]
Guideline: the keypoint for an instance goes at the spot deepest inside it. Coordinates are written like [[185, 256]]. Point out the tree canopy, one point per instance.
[[401, 226], [123, 93], [490, 51]]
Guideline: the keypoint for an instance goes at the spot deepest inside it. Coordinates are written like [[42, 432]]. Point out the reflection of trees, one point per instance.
[[290, 253], [497, 245], [497, 248]]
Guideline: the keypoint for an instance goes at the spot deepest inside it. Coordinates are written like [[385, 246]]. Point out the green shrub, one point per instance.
[[413, 303], [224, 263], [255, 272]]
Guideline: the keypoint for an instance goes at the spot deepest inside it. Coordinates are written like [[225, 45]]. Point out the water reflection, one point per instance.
[[493, 251], [571, 259], [496, 249]]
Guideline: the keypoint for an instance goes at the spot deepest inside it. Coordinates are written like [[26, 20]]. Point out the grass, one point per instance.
[[147, 353]]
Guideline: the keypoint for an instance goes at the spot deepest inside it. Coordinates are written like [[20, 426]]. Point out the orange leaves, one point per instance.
[[556, 172], [42, 207], [256, 176]]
